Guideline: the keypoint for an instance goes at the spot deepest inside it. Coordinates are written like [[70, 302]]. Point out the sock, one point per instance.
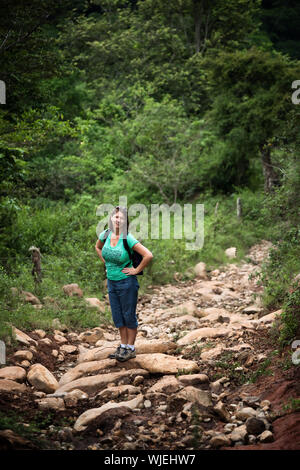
[[130, 346], [123, 345]]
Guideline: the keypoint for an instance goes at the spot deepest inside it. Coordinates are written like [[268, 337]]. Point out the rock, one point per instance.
[[94, 302], [7, 385], [221, 410], [139, 379], [200, 270], [72, 398], [239, 433], [200, 333], [251, 309], [161, 364], [89, 416], [216, 386], [42, 379], [193, 394], [51, 403], [167, 384], [270, 317], [266, 436], [60, 339], [193, 379], [46, 341], [29, 297], [220, 440], [186, 308], [54, 352], [40, 333], [85, 368], [115, 392], [147, 404], [96, 383], [22, 337], [72, 289], [187, 320], [25, 364], [68, 349], [207, 356], [255, 426], [231, 252], [15, 373], [92, 336], [24, 354], [245, 413]]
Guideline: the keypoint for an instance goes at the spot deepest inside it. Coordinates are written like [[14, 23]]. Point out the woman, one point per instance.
[[122, 283]]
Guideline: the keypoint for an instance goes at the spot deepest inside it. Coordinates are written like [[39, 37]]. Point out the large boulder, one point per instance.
[[18, 374], [96, 383], [161, 364], [42, 379], [201, 333], [89, 416], [7, 385]]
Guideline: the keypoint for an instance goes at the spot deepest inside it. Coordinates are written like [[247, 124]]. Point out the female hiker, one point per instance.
[[122, 283]]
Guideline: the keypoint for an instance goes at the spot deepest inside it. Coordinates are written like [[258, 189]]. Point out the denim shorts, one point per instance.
[[123, 296]]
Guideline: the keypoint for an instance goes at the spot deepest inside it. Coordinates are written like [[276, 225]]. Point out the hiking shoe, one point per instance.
[[117, 352], [125, 354]]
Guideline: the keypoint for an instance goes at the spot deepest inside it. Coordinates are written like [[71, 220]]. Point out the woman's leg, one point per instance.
[[131, 335], [124, 335]]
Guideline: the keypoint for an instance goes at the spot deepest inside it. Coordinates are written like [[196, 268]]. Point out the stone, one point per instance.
[[40, 333], [201, 333], [92, 336], [68, 349], [51, 403], [42, 379], [86, 368], [115, 392], [29, 297], [193, 379], [23, 338], [161, 364], [251, 309], [60, 339], [239, 433], [200, 270], [25, 364], [94, 302], [23, 354], [245, 413], [216, 386], [89, 416], [266, 436], [167, 384], [221, 410], [231, 252], [207, 356], [255, 426], [46, 341], [96, 383], [7, 385], [72, 398], [72, 289], [220, 440], [15, 373], [194, 395]]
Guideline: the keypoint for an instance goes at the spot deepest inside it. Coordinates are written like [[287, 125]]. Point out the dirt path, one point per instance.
[[206, 376]]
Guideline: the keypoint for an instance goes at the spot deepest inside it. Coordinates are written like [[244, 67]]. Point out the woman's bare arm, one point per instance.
[[98, 248]]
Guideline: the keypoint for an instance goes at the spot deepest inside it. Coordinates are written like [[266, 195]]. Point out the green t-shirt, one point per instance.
[[116, 257]]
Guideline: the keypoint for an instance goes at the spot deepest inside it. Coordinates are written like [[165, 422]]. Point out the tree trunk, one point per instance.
[[270, 176]]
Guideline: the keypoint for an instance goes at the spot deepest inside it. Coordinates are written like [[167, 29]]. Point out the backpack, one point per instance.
[[135, 257]]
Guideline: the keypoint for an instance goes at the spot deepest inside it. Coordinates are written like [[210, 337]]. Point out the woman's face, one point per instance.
[[118, 219]]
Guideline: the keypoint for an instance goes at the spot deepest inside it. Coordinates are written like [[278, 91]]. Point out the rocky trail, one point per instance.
[[206, 375]]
